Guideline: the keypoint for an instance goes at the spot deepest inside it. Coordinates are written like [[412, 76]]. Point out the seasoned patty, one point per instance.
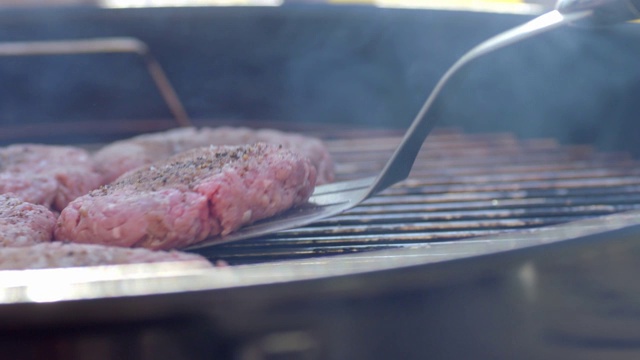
[[47, 175], [203, 192], [119, 157], [58, 254], [23, 223]]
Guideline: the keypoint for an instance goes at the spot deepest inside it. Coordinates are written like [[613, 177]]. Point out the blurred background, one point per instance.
[[147, 3], [367, 63]]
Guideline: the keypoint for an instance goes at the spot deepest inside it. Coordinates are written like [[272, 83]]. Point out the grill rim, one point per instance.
[[125, 293]]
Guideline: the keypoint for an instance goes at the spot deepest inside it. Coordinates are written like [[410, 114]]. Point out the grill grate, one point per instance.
[[462, 186]]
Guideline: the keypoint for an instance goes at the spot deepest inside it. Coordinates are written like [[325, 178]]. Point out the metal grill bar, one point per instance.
[[104, 46], [462, 186]]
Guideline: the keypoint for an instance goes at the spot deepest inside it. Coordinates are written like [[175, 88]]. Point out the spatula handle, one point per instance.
[[401, 162], [604, 11]]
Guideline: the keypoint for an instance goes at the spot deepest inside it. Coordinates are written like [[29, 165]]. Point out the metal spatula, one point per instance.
[[332, 199]]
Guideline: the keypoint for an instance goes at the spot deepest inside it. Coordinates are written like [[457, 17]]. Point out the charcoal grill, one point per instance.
[[501, 244]]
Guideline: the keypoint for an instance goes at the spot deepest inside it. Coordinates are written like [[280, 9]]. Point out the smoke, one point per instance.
[[573, 84], [325, 65]]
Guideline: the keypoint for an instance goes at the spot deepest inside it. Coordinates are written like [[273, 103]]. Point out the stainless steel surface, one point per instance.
[[106, 45], [332, 199]]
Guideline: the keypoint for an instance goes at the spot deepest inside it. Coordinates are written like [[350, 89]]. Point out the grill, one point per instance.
[[462, 186], [461, 242], [508, 240]]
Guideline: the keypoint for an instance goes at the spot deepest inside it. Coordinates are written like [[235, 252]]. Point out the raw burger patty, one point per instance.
[[196, 194], [23, 223], [59, 254], [119, 157], [47, 175]]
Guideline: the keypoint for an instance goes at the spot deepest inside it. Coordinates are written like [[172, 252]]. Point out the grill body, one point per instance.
[[463, 260]]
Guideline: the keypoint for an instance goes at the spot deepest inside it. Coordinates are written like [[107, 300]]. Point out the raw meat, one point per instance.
[[58, 254], [203, 192], [117, 158], [47, 175], [23, 223]]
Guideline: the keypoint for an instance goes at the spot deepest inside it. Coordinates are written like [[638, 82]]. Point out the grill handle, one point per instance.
[[105, 45]]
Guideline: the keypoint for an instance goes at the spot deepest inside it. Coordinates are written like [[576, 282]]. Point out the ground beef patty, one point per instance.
[[23, 223], [47, 175], [199, 193], [58, 254], [119, 157]]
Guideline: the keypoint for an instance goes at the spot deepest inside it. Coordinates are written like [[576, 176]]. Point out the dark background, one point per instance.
[[330, 65]]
